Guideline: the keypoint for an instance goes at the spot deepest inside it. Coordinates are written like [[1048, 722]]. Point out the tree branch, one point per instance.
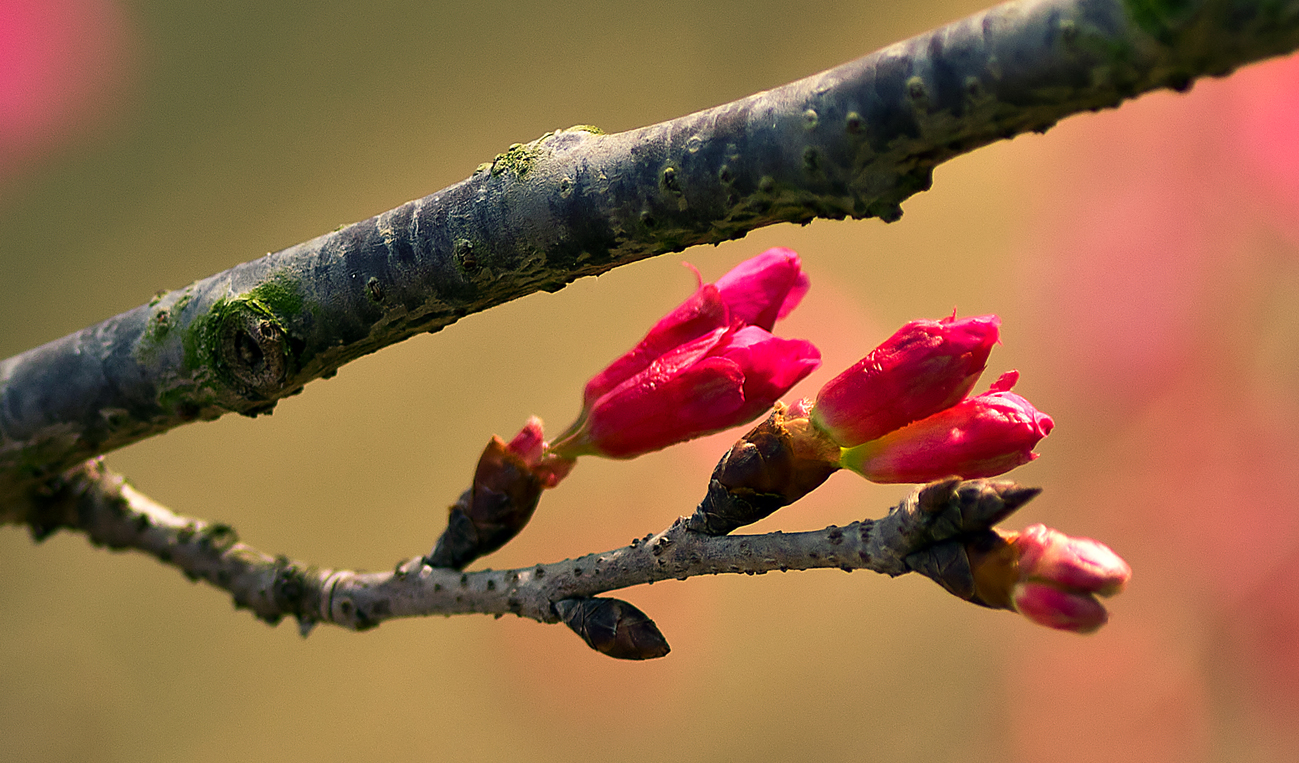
[[854, 141], [94, 500]]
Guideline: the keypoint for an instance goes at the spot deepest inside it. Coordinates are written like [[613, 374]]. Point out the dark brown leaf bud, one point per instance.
[[613, 627], [779, 461], [505, 492], [980, 567], [956, 507]]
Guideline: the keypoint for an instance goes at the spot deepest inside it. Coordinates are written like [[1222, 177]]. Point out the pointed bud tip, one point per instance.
[[529, 442], [1006, 382], [985, 503], [613, 628], [1014, 495], [699, 278]]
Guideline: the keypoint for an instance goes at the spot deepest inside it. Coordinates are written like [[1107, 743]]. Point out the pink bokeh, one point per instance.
[[1262, 114], [1163, 272], [63, 64]]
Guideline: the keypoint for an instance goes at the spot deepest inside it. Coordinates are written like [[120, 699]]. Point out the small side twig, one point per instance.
[[100, 503]]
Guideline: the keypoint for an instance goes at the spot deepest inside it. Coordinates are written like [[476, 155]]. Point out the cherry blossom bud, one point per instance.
[[507, 486], [757, 292], [1061, 610], [926, 367], [763, 289], [981, 436], [701, 314], [1043, 574], [721, 380], [1059, 578]]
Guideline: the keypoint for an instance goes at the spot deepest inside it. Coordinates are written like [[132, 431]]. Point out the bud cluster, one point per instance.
[[1060, 578], [710, 364], [1048, 577], [903, 413]]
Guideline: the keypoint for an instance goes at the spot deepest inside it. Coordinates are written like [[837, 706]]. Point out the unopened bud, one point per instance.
[[779, 461], [710, 364], [1061, 610], [981, 436], [613, 627], [1043, 574], [507, 485], [926, 367], [1060, 578]]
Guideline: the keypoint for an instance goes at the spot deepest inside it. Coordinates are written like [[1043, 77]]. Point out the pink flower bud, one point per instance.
[[1075, 564], [723, 379], [531, 448], [1060, 578], [926, 367], [529, 443], [1058, 609], [981, 436], [764, 289], [757, 292], [708, 365], [771, 366], [703, 313]]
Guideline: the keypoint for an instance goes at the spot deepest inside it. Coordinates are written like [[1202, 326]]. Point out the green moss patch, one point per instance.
[[1157, 17], [518, 158]]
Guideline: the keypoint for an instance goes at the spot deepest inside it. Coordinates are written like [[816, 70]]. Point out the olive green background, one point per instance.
[[246, 127]]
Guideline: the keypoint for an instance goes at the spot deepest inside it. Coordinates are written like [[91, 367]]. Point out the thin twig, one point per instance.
[[94, 500]]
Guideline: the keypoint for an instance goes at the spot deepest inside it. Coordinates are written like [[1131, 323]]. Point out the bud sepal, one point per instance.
[[507, 486], [777, 462]]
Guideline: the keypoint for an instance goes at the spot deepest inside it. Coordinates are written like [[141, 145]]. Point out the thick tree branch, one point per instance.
[[854, 141], [93, 500]]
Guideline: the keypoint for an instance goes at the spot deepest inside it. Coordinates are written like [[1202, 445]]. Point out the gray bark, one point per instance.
[[854, 141], [110, 512]]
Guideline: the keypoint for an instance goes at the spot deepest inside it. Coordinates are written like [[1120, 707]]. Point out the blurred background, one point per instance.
[[1145, 262]]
